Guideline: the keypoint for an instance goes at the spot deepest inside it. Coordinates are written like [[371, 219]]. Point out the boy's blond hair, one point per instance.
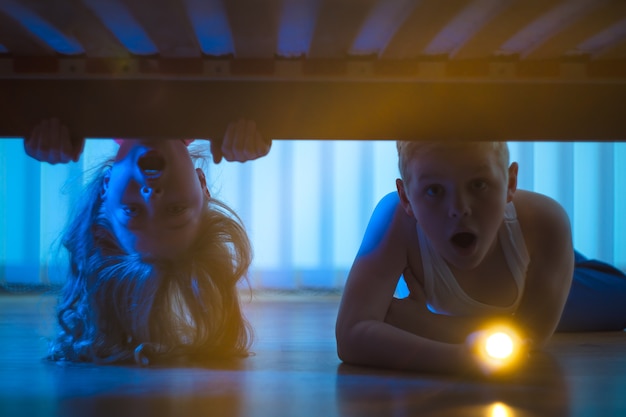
[[408, 150]]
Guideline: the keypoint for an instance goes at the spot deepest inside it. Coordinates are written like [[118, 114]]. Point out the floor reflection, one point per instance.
[[540, 389]]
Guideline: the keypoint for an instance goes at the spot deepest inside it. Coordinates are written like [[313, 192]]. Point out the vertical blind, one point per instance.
[[306, 204]]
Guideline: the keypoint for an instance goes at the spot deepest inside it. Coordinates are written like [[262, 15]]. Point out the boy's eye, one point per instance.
[[434, 190]]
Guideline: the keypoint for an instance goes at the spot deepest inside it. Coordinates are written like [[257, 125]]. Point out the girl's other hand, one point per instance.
[[242, 142], [50, 142]]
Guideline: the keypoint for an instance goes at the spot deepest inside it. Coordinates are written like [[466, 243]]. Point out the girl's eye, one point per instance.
[[176, 209], [434, 190], [131, 211]]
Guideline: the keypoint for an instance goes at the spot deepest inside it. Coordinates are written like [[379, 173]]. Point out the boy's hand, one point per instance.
[[496, 351], [242, 142], [50, 142]]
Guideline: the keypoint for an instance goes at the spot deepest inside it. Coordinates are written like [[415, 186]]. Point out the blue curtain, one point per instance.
[[306, 204]]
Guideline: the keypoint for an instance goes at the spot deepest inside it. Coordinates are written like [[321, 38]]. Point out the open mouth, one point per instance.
[[464, 240], [151, 164]]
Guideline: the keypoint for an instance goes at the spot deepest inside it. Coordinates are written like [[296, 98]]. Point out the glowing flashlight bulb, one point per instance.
[[500, 410], [497, 349], [499, 345]]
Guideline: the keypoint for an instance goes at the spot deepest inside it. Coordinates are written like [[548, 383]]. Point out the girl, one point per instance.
[[154, 259]]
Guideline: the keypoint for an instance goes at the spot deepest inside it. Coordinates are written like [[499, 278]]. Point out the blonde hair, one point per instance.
[[117, 307], [408, 151]]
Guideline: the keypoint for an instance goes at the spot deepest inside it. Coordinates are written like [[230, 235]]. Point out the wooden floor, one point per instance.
[[295, 372]]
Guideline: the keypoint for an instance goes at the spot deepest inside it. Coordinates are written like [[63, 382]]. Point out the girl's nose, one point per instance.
[[149, 192]]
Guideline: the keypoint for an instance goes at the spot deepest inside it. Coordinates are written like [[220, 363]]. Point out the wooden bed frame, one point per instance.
[[367, 69], [320, 109]]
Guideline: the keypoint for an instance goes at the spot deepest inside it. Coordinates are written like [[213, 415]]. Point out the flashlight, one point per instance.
[[499, 409], [499, 345], [497, 349]]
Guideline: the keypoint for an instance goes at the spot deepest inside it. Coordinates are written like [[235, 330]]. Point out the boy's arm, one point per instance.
[[549, 277], [363, 337], [412, 314]]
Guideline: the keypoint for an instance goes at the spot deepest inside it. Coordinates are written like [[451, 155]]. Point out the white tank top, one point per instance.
[[444, 294]]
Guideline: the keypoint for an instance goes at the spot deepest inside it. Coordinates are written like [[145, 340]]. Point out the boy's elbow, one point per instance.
[[341, 345], [341, 355], [345, 350], [346, 354]]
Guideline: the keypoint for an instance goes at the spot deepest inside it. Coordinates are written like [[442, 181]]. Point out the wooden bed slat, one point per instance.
[[320, 109]]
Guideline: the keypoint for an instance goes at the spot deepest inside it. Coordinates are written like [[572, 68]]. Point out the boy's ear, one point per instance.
[[202, 179], [105, 183], [512, 184], [404, 200]]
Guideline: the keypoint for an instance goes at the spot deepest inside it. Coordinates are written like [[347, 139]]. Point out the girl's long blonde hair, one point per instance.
[[117, 307]]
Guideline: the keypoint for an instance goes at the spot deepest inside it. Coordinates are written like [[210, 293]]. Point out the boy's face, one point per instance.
[[458, 196]]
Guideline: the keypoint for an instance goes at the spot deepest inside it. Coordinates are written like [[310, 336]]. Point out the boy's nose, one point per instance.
[[459, 213], [459, 208]]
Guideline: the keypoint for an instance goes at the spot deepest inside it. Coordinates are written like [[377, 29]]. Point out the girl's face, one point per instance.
[[154, 197], [458, 197]]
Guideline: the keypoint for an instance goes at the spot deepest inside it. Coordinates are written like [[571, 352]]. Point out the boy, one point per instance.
[[471, 248]]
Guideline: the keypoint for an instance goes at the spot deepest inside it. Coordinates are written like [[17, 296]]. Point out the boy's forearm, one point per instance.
[[442, 328], [375, 343]]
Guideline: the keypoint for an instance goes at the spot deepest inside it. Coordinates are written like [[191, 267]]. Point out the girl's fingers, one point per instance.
[[30, 143], [51, 145], [64, 146], [239, 148], [230, 140], [262, 146], [243, 142], [78, 144], [251, 144], [50, 141]]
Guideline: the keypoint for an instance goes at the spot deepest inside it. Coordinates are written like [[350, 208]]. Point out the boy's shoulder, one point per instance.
[[541, 217], [390, 199], [539, 205], [388, 223], [388, 209]]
